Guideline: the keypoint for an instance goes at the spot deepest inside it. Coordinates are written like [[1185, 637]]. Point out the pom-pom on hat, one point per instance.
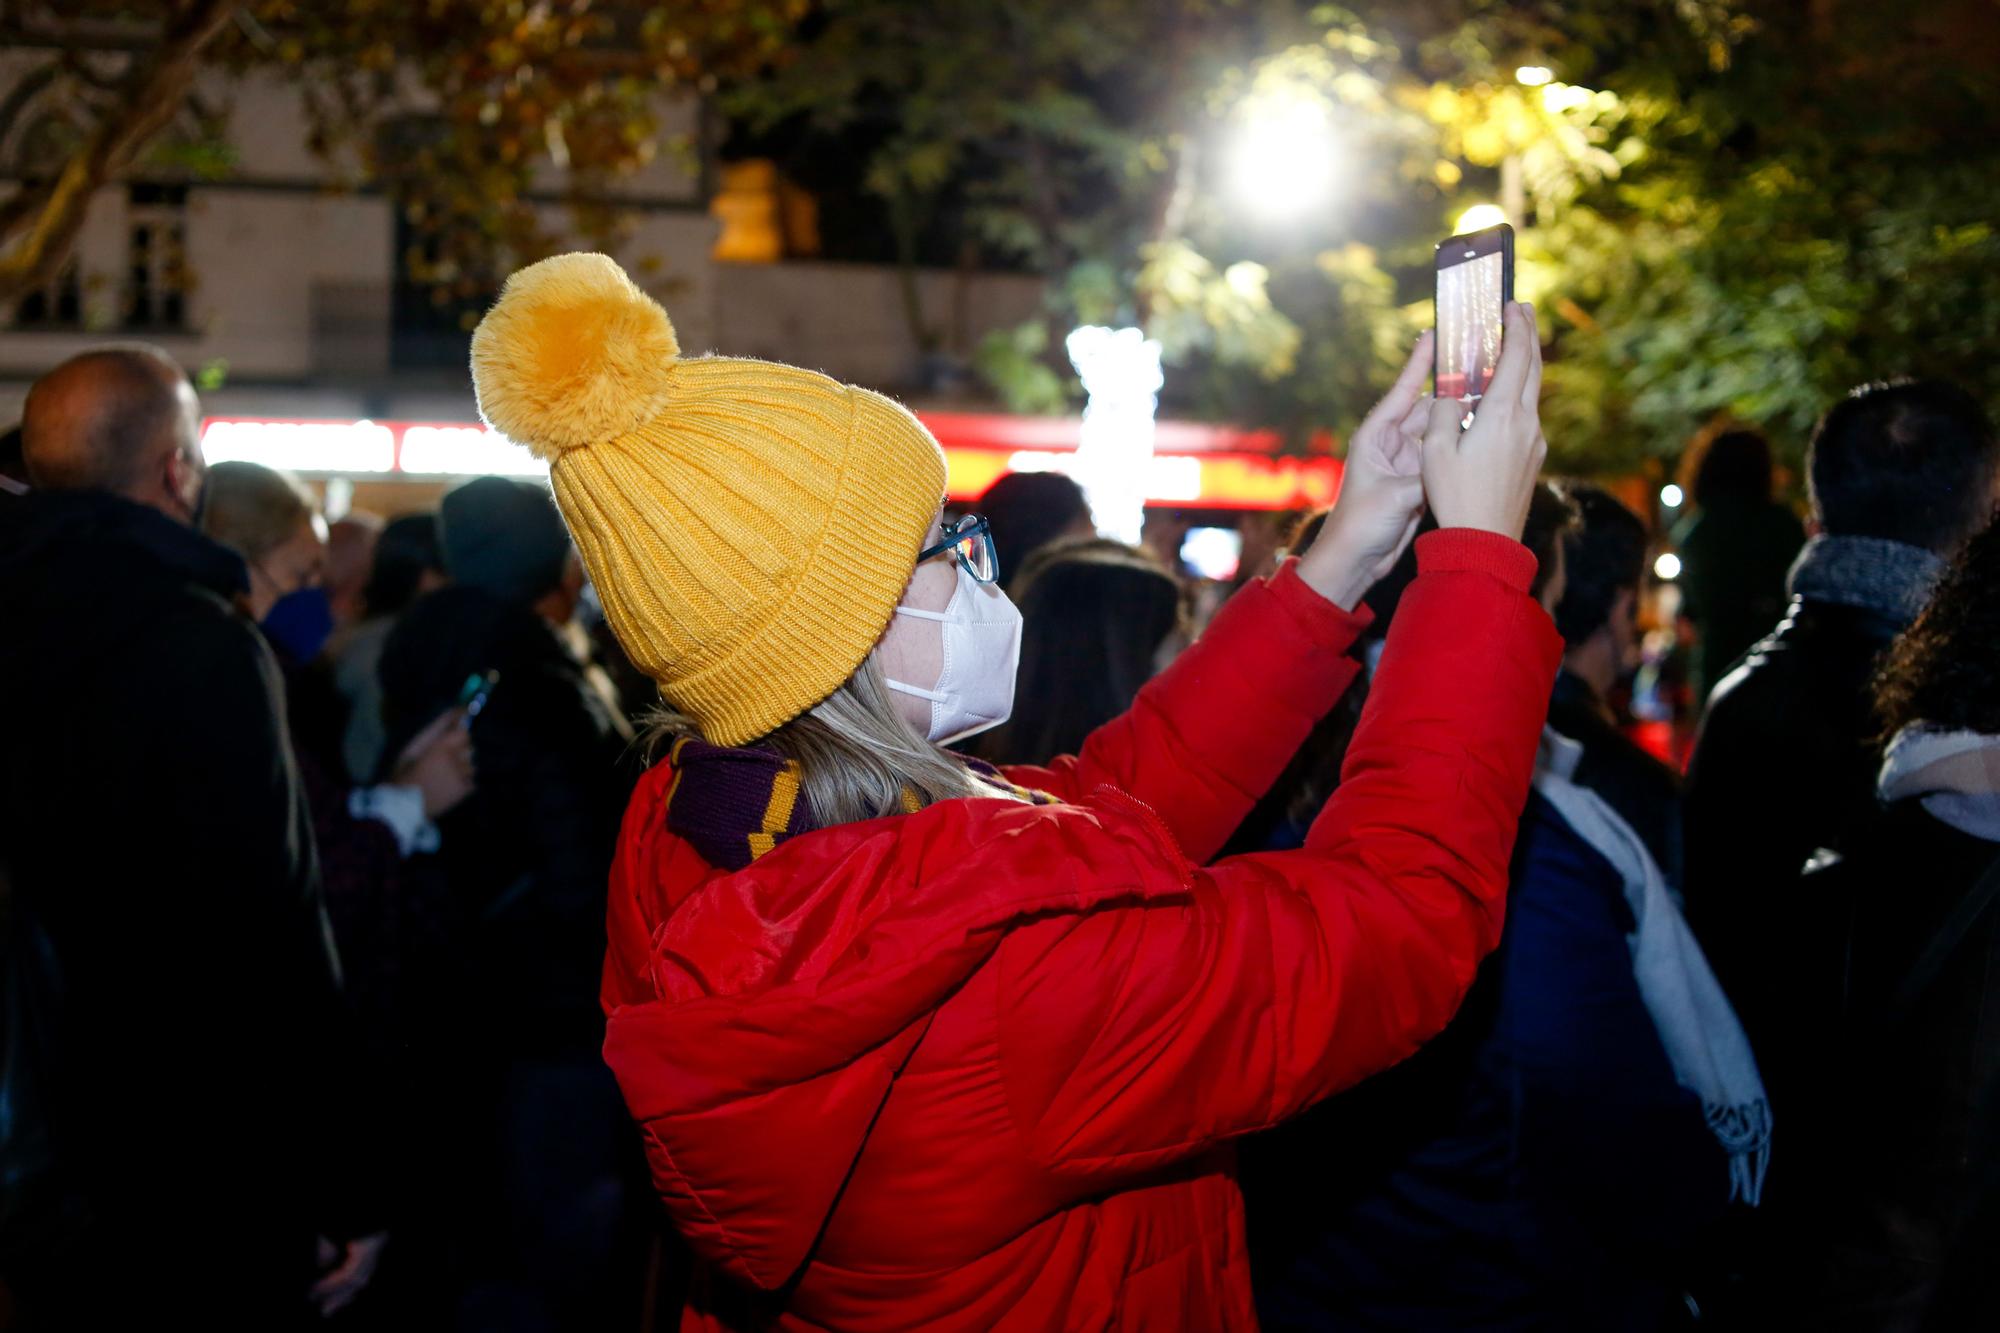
[[750, 527]]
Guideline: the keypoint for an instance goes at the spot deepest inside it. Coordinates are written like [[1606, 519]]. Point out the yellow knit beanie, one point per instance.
[[750, 527]]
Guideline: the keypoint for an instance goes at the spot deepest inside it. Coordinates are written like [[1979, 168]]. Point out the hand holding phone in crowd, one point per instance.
[[1381, 492], [1484, 476]]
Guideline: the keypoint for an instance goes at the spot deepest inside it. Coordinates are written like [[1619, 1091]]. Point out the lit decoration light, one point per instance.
[[1560, 97], [1478, 218], [1671, 496], [1668, 566], [1120, 369], [1282, 161], [302, 446], [457, 451], [1534, 76]]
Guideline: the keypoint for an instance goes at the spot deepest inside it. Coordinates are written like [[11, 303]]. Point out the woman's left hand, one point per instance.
[[1381, 492]]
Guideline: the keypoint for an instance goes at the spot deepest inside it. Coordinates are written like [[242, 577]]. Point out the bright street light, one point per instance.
[[1282, 158], [1478, 218], [1671, 496], [1120, 370], [1668, 566], [1534, 76]]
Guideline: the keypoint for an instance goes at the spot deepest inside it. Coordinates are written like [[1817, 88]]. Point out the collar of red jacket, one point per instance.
[[789, 994], [733, 804]]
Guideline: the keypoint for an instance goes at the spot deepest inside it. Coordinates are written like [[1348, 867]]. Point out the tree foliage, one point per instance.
[[469, 112]]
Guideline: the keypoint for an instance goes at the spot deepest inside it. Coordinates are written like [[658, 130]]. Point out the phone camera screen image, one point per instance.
[[1474, 283]]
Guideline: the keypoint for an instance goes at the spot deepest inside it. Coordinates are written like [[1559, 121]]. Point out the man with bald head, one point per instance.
[[200, 1073]]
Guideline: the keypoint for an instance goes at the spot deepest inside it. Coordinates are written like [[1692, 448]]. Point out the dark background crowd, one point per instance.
[[305, 834]]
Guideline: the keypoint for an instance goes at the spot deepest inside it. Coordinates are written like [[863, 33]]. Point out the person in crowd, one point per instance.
[[536, 1196], [911, 1041], [1784, 764], [1735, 546], [1546, 1162], [350, 555], [157, 844], [1890, 1055], [1029, 510], [407, 565], [1095, 618], [272, 521], [1604, 560]]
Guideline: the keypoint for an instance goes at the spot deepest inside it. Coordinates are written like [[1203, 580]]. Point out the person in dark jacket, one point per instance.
[[1785, 763], [1604, 562], [1735, 547], [1537, 1166], [1096, 616], [207, 1110], [1892, 1059], [407, 565], [538, 1203]]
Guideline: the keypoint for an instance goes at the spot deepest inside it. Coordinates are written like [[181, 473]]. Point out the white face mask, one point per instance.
[[982, 651]]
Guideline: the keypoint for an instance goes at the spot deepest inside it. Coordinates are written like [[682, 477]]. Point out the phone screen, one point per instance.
[[1474, 283]]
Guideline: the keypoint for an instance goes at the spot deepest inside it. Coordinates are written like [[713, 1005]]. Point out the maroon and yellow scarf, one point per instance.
[[735, 804]]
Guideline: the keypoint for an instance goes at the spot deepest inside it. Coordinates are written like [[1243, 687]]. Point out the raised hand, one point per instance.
[[1381, 491], [1485, 476]]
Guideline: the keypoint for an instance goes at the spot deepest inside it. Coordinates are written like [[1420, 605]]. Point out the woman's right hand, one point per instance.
[[439, 763], [1484, 477]]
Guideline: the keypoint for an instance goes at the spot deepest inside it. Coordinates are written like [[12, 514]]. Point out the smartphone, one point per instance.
[[1213, 553], [476, 691], [1475, 281]]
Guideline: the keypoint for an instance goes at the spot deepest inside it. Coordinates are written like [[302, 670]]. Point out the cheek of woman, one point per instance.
[[912, 648]]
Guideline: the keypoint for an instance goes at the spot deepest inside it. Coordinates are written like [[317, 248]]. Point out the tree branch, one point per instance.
[[152, 92]]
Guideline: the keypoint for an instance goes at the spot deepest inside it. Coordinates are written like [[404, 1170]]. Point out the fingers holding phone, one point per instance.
[[1483, 475]]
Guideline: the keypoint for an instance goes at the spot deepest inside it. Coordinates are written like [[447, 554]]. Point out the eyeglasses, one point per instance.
[[970, 541]]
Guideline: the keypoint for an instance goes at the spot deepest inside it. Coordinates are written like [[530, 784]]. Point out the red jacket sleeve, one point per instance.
[[1130, 1037], [1206, 739]]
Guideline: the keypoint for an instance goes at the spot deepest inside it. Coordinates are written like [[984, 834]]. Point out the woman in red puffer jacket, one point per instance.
[[913, 1042]]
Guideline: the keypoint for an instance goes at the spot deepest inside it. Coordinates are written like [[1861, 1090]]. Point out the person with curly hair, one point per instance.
[[1892, 1170]]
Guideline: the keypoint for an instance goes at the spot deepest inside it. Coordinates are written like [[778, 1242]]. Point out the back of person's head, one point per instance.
[[504, 537], [1028, 510], [1604, 558], [1094, 615], [407, 559], [253, 509], [118, 419], [1945, 668], [1551, 518], [1735, 465], [1909, 461]]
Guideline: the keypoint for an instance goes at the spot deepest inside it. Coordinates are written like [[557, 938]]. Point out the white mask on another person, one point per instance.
[[982, 652]]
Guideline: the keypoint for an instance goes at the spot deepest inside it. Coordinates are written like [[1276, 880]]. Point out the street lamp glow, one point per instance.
[[1671, 496], [1282, 161], [1479, 217], [1534, 76], [1667, 567], [1120, 370]]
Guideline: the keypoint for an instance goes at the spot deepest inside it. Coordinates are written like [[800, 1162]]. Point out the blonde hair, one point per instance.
[[253, 509], [858, 759]]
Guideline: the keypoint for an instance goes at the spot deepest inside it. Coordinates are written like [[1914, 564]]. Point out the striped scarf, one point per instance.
[[735, 804]]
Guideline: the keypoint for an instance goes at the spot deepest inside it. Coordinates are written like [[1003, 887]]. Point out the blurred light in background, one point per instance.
[[1120, 370], [1671, 496], [1479, 217], [1534, 76], [1668, 566], [1283, 157], [1560, 97]]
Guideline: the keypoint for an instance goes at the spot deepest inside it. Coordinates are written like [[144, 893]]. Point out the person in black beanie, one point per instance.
[[522, 872]]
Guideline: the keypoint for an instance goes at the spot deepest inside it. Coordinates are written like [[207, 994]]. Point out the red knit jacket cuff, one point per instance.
[[1477, 551], [1321, 619]]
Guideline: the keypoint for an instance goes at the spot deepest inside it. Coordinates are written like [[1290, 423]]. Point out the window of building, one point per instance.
[[56, 304], [156, 282]]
